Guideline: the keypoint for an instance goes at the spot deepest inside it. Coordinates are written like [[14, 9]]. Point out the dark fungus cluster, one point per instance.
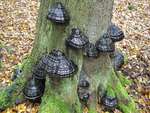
[[83, 89], [109, 102], [57, 65]]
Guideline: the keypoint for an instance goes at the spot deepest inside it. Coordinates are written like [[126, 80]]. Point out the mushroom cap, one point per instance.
[[77, 39], [84, 97], [58, 65], [39, 70], [109, 102], [90, 50], [58, 14], [33, 89], [39, 73], [84, 83], [116, 34], [105, 44], [118, 60]]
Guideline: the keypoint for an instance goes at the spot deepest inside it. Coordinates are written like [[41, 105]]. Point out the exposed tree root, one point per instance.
[[126, 104], [61, 99], [103, 78]]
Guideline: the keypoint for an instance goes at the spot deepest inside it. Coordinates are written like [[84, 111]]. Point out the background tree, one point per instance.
[[93, 18]]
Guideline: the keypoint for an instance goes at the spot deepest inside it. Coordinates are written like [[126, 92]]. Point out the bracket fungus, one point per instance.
[[77, 39], [84, 97], [90, 50], [118, 60], [39, 71], [109, 102], [105, 44], [58, 65], [116, 34], [34, 89], [58, 14], [83, 88], [84, 84]]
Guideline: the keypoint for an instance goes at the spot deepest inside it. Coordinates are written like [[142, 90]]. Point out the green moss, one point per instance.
[[123, 79], [1, 64], [110, 91], [92, 110], [126, 104], [131, 6], [61, 99], [9, 94], [128, 108], [4, 100], [27, 65], [54, 104]]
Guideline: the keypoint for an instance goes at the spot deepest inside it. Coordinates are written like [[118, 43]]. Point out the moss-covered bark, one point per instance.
[[93, 18], [12, 93]]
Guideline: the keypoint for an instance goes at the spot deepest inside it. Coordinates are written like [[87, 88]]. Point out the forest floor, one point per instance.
[[17, 32]]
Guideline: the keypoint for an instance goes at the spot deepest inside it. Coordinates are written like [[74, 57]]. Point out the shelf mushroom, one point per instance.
[[33, 90], [84, 97], [109, 102], [77, 39], [84, 83], [116, 34], [90, 50], [58, 65], [118, 60], [39, 70], [83, 88], [58, 14], [105, 44], [83, 92]]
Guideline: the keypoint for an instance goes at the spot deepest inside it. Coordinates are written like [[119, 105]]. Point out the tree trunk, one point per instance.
[[93, 17]]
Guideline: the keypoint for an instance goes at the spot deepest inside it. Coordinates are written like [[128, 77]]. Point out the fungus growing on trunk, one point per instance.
[[109, 103], [118, 60], [90, 50], [83, 89], [77, 39], [58, 14], [84, 97], [58, 65], [109, 100], [39, 71], [105, 44], [116, 34], [84, 84], [34, 90]]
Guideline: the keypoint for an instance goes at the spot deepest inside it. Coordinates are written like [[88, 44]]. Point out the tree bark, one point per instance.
[[93, 17]]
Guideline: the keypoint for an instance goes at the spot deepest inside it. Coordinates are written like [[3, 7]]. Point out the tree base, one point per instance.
[[10, 94], [65, 98]]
